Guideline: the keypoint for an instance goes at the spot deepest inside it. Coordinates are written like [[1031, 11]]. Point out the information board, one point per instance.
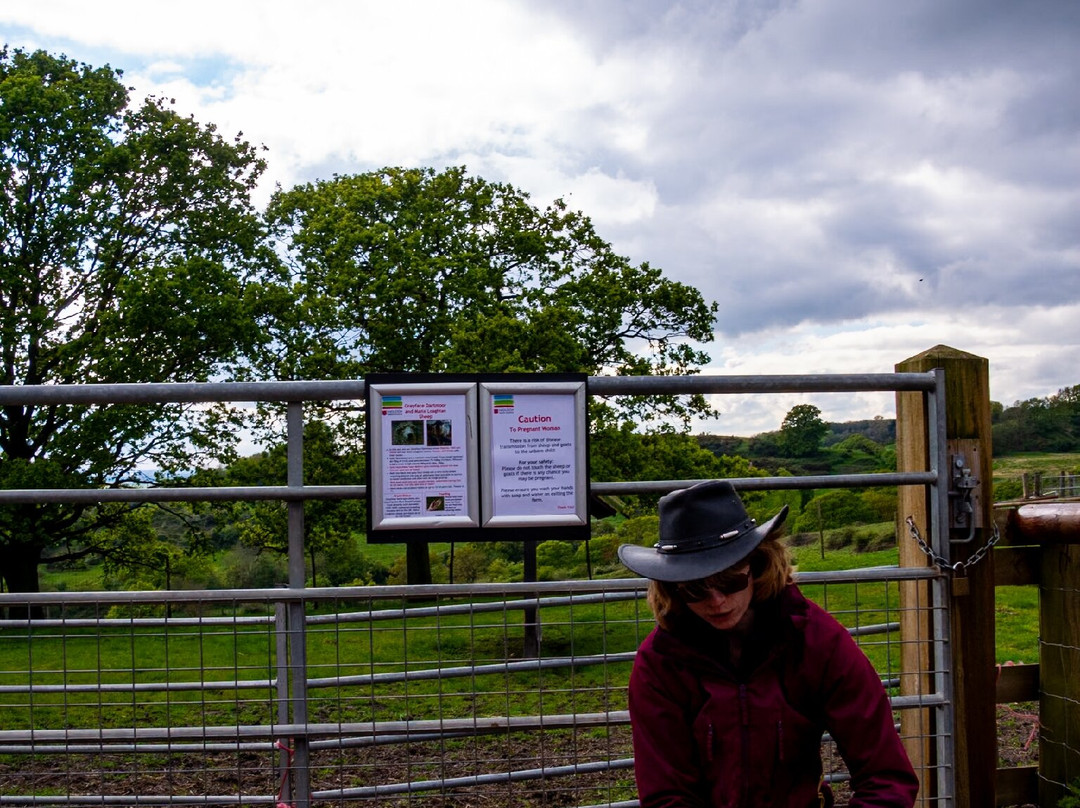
[[474, 458], [422, 442], [533, 441]]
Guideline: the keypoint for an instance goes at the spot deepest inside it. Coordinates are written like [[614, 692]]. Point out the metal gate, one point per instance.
[[398, 695]]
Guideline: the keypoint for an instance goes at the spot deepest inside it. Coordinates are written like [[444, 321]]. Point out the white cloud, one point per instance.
[[853, 182], [1027, 350]]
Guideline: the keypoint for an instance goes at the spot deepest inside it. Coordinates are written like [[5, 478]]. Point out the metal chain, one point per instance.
[[960, 567]]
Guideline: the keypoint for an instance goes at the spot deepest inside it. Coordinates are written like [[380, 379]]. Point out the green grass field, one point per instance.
[[124, 652], [1016, 607], [1044, 462]]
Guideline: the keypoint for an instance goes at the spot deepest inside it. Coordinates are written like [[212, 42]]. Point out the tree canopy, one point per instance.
[[1050, 424], [416, 270], [130, 252], [329, 525], [802, 431], [127, 245]]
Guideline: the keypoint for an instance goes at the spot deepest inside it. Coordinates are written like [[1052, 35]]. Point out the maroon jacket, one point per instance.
[[706, 734]]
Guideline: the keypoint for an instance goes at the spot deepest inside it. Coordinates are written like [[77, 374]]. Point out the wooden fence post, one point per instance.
[[967, 426], [1055, 528]]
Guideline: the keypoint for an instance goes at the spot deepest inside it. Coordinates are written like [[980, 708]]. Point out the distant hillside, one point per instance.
[[880, 430], [1050, 424]]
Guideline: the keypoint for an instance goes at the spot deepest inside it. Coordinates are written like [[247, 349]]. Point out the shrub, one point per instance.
[[881, 502], [643, 530], [602, 527], [247, 568], [558, 555], [502, 571], [1072, 799], [1008, 489], [838, 539], [862, 541], [801, 539], [835, 509], [603, 551], [346, 564], [858, 443]]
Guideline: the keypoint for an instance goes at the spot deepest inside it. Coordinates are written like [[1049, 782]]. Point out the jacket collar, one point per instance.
[[777, 622]]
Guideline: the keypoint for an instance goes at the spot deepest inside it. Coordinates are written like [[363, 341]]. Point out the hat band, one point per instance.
[[705, 542]]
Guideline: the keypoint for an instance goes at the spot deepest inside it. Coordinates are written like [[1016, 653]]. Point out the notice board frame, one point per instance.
[[471, 518]]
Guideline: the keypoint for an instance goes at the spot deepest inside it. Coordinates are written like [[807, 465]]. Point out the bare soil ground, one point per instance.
[[255, 773], [1018, 737]]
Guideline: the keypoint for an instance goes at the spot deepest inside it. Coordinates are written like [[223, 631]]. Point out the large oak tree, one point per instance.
[[127, 239], [417, 270]]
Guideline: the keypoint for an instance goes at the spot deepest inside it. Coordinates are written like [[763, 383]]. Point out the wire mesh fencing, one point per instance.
[[1059, 658], [386, 696]]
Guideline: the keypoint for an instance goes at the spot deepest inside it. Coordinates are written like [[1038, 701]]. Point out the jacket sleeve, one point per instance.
[[665, 764], [860, 719]]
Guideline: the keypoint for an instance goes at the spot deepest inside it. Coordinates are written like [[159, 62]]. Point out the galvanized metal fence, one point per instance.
[[393, 695]]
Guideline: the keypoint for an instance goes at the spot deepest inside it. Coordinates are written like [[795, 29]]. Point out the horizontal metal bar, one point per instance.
[[710, 384], [182, 392], [322, 593], [871, 630], [337, 618], [515, 776], [238, 493], [374, 593], [915, 702], [141, 800], [522, 666], [284, 493], [326, 593], [264, 746], [141, 687], [409, 730], [143, 748], [774, 483], [447, 610], [310, 730], [355, 389], [228, 623], [394, 677]]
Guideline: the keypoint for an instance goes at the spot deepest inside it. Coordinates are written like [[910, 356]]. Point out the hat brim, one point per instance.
[[676, 567]]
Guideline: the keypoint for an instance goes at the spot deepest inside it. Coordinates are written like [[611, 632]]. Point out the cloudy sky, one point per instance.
[[853, 181]]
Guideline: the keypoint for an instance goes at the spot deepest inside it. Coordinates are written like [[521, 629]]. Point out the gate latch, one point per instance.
[[965, 499]]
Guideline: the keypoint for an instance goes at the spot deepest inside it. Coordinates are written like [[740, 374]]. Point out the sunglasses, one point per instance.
[[726, 583]]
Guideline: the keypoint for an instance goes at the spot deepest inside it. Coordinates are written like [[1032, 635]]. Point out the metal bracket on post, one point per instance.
[[965, 495]]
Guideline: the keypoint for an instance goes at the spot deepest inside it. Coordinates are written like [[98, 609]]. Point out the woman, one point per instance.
[[731, 693]]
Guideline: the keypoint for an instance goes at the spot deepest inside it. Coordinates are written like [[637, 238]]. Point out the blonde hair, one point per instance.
[[770, 567]]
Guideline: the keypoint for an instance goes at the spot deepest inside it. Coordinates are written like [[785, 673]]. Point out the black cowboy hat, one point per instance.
[[704, 530]]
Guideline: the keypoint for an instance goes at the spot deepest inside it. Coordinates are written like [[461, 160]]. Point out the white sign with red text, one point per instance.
[[535, 458]]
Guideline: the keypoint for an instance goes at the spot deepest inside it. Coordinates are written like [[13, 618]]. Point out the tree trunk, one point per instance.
[[417, 563], [19, 568]]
